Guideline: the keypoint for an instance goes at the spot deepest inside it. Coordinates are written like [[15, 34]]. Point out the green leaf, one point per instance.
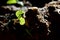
[[22, 21], [11, 1], [19, 16], [19, 13]]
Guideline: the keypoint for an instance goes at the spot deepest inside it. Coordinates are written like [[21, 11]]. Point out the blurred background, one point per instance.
[[29, 19]]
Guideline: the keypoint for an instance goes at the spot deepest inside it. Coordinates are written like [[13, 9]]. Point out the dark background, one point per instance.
[[38, 3]]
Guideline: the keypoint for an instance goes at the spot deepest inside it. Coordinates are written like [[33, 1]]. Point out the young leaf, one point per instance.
[[19, 13], [11, 1], [22, 21]]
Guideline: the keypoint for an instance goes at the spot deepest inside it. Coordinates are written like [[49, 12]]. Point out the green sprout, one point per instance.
[[19, 13], [11, 1], [22, 21], [20, 17]]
